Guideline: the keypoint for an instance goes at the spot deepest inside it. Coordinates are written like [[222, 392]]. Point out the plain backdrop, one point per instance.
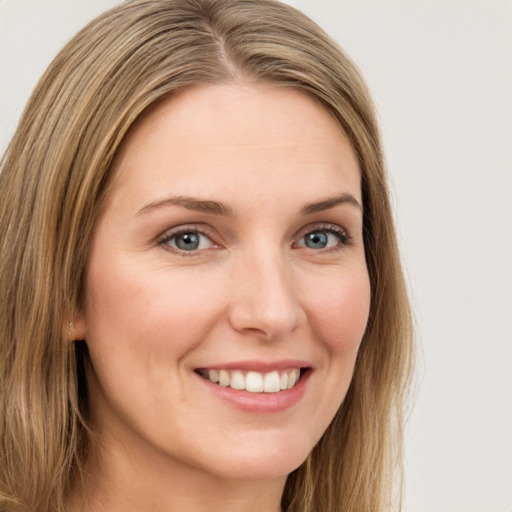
[[441, 74]]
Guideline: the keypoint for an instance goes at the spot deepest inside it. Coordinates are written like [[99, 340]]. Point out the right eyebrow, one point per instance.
[[190, 203]]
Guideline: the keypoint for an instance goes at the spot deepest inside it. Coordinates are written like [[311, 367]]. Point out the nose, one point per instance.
[[266, 299]]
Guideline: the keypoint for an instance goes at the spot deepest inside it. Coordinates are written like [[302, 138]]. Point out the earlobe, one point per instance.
[[76, 329]]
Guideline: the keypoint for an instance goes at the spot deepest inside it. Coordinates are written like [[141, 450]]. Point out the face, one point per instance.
[[226, 287]]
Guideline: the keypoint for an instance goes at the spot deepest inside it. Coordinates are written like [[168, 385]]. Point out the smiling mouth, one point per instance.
[[252, 381]]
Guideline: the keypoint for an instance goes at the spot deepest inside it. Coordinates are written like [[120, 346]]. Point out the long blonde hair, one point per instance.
[[54, 177]]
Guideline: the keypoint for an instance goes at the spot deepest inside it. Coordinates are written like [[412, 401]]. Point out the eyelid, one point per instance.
[[202, 229], [344, 236]]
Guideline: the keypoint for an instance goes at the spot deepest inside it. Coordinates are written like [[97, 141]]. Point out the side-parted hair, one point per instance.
[[55, 176]]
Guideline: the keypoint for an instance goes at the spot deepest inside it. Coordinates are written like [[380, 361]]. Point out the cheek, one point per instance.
[[339, 311], [155, 306], [140, 328], [338, 314]]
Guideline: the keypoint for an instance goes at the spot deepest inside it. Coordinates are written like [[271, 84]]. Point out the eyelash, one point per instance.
[[344, 239], [168, 236]]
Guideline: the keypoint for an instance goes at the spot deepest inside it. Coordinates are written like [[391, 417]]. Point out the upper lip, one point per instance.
[[259, 366]]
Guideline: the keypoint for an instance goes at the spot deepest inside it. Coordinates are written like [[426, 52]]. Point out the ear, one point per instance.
[[76, 328]]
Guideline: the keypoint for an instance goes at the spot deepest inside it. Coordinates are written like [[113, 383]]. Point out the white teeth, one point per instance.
[[237, 380], [293, 377], [224, 378], [271, 382], [254, 382]]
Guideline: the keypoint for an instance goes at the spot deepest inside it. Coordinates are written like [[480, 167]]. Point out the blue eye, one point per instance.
[[188, 241], [316, 240], [324, 239]]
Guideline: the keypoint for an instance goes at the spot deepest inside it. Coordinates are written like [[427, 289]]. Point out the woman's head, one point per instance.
[[56, 179]]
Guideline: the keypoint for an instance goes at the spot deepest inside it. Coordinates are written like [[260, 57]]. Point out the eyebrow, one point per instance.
[[191, 203], [218, 208], [331, 202]]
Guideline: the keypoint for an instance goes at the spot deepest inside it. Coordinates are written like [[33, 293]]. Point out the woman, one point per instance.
[[203, 306]]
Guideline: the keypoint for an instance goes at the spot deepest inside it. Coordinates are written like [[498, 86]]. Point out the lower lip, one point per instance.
[[260, 402]]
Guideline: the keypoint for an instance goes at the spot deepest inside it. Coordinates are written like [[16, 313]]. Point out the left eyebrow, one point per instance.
[[329, 203]]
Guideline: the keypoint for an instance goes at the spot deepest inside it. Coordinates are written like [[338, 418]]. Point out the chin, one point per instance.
[[271, 462]]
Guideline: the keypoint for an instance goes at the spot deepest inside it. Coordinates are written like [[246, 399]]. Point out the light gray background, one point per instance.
[[441, 74]]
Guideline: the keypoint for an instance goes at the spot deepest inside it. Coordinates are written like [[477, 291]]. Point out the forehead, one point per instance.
[[225, 138]]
